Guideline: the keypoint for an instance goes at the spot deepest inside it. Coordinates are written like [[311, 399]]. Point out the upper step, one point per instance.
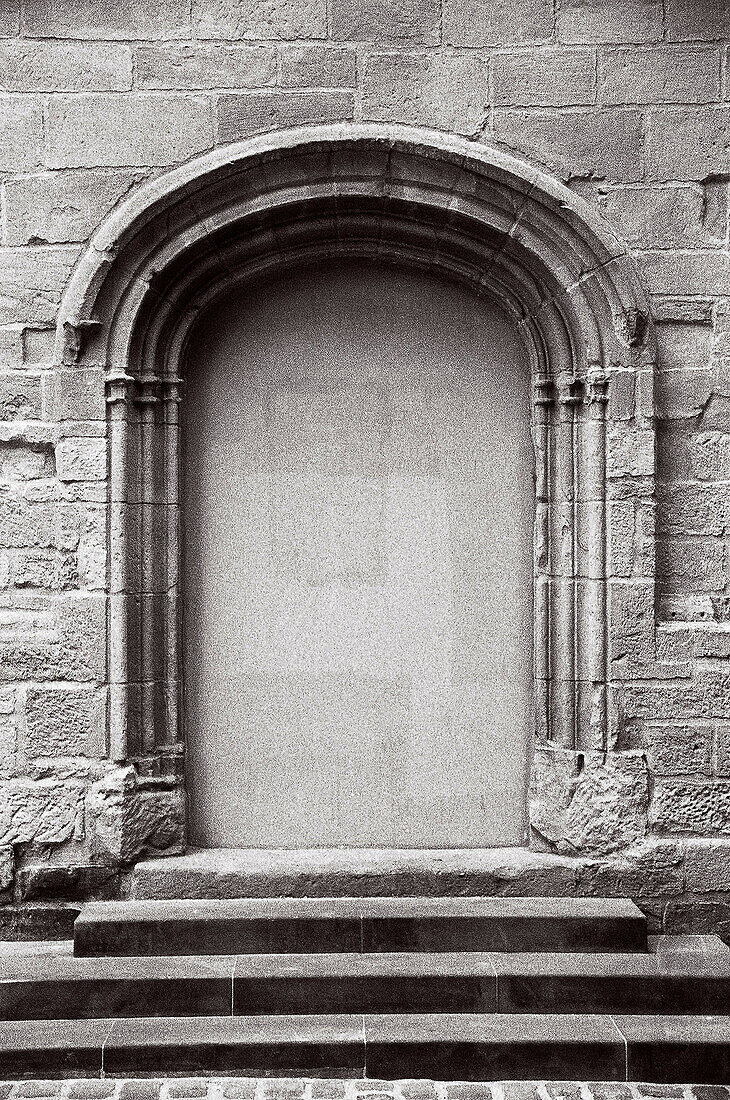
[[301, 925]]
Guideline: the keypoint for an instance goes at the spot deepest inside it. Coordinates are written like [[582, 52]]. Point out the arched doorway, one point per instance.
[[358, 515]]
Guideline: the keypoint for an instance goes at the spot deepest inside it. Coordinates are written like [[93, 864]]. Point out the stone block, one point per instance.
[[693, 510], [447, 92], [81, 459], [677, 308], [92, 552], [284, 19], [707, 866], [603, 144], [630, 451], [683, 807], [683, 346], [547, 78], [45, 811], [98, 19], [609, 20], [697, 917], [588, 803], [621, 538], [21, 134], [661, 217], [716, 414], [74, 882], [45, 569], [125, 820], [682, 749], [690, 565], [79, 395], [240, 116], [26, 524], [706, 20], [33, 282], [654, 868], [631, 619], [39, 345], [670, 272], [314, 65], [722, 749], [501, 23], [204, 66], [65, 721], [682, 394], [59, 207], [688, 143], [147, 130], [20, 396], [690, 75], [37, 66], [11, 348], [387, 22], [20, 461]]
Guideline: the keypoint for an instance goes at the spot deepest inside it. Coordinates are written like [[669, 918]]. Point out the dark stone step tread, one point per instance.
[[38, 987], [294, 925], [441, 1046]]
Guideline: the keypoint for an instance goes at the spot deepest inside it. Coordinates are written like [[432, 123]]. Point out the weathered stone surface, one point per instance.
[[148, 130], [659, 76], [472, 23], [671, 273], [46, 882], [688, 144], [204, 66], [448, 92], [124, 820], [21, 134], [46, 811], [75, 649], [698, 917], [588, 803], [707, 695], [702, 808], [396, 22], [707, 865], [45, 569], [65, 721], [93, 19], [601, 144], [549, 78], [693, 510], [690, 564], [81, 459], [20, 396], [699, 19], [33, 282], [630, 451], [286, 19], [679, 749], [314, 65], [92, 551], [608, 21], [632, 621], [683, 346], [654, 868], [64, 67], [59, 207], [21, 461], [240, 116]]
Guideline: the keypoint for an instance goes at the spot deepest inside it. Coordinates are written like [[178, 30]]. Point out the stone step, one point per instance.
[[61, 986], [462, 1047], [362, 872], [296, 925]]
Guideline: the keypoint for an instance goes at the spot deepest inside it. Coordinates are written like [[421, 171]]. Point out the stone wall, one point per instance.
[[626, 101]]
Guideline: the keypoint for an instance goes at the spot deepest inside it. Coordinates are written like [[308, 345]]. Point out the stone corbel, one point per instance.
[[75, 336]]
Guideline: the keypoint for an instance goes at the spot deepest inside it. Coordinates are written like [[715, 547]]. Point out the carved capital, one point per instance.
[[597, 388], [172, 387], [148, 390], [570, 391], [119, 388], [544, 390]]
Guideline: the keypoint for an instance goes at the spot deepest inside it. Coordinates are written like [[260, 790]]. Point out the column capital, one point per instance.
[[119, 387]]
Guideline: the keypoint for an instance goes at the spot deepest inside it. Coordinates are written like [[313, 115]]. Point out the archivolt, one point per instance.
[[399, 195]]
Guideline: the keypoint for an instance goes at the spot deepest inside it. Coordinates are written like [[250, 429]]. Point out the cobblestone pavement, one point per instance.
[[287, 1088]]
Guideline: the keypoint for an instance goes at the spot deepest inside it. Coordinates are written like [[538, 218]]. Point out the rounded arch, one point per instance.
[[401, 195]]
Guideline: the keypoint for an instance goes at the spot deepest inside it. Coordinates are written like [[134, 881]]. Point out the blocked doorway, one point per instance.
[[358, 516]]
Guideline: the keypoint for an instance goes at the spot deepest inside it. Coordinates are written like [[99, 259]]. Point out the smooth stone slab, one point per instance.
[[294, 925], [43, 1048], [666, 1049], [496, 1047], [64, 987]]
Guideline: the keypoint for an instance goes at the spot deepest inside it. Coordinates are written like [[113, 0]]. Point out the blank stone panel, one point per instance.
[[358, 518]]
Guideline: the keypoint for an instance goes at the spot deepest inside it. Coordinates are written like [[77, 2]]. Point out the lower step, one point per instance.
[[668, 1049], [60, 986], [294, 925]]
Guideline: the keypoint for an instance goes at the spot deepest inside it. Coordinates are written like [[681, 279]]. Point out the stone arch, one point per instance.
[[400, 195]]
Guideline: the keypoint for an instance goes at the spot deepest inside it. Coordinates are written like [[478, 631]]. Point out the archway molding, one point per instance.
[[402, 196]]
